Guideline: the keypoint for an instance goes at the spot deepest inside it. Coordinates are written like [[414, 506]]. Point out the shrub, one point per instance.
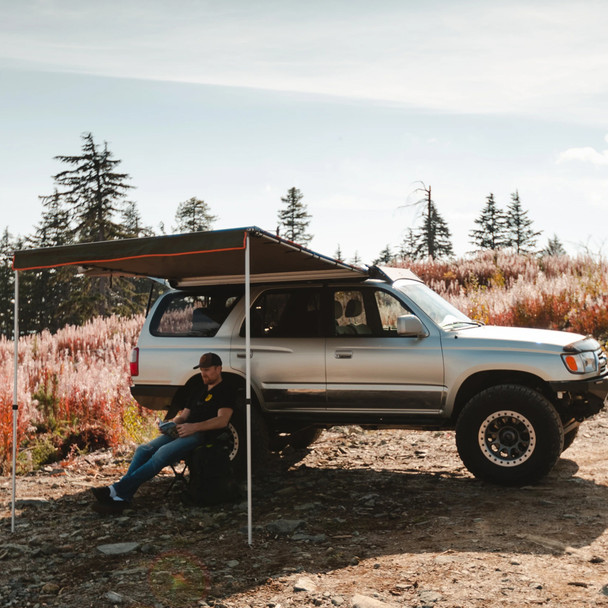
[[73, 385]]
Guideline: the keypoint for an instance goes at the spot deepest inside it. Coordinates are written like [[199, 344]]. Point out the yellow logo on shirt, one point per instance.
[[208, 397]]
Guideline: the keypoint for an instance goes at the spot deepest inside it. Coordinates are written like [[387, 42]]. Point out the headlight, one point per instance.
[[581, 363]]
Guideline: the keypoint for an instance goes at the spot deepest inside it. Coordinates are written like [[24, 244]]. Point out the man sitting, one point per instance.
[[204, 417]]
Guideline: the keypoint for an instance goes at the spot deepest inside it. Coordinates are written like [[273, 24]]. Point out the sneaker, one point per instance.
[[102, 494], [114, 507]]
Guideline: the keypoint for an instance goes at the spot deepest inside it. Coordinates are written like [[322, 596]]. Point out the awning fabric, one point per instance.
[[193, 258]]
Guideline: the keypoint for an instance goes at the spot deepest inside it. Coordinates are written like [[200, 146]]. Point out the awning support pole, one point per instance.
[[248, 385], [15, 404]]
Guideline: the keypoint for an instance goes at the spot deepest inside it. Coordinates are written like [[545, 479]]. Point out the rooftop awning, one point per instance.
[[223, 256], [193, 259]]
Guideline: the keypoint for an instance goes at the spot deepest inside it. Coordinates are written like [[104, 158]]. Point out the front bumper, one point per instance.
[[596, 387], [588, 397]]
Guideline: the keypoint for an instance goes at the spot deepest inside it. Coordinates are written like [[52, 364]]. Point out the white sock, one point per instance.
[[115, 496]]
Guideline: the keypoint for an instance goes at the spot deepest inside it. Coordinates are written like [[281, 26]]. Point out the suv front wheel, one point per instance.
[[510, 435]]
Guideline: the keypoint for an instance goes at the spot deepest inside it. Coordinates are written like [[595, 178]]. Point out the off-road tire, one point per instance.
[[510, 435], [260, 448], [301, 439], [569, 438]]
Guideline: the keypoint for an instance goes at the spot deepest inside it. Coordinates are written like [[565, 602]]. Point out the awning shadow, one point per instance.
[[336, 518]]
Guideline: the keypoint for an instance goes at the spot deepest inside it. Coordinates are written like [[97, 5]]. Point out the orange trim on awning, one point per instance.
[[132, 257]]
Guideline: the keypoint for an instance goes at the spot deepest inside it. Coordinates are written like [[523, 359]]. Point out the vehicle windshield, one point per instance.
[[442, 312]]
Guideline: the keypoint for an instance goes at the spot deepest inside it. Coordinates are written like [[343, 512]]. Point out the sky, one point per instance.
[[355, 103]]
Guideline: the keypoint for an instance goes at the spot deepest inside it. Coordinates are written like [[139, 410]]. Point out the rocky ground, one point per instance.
[[365, 519]]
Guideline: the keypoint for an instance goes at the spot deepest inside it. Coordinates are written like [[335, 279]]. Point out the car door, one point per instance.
[[288, 349], [371, 369]]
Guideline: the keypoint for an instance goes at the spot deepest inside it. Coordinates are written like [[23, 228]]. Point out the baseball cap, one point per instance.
[[208, 360]]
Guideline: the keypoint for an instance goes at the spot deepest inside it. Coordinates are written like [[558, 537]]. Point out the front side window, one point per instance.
[[198, 314], [288, 313], [389, 309], [366, 312]]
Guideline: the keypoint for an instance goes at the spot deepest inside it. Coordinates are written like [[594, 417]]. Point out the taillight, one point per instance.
[[134, 362]]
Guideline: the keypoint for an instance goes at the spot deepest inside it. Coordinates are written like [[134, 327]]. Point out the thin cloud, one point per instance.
[[473, 57], [585, 155]]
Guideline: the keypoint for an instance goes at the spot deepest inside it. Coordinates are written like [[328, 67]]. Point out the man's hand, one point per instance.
[[186, 429]]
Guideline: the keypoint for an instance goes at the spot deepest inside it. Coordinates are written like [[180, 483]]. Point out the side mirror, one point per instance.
[[411, 326]]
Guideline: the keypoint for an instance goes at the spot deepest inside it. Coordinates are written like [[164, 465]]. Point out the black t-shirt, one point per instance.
[[206, 404]]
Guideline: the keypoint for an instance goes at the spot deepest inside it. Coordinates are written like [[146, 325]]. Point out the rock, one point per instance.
[[118, 548], [428, 598], [310, 538], [363, 601], [305, 584], [9, 549], [233, 563], [50, 589], [284, 526], [446, 559], [115, 598], [31, 502]]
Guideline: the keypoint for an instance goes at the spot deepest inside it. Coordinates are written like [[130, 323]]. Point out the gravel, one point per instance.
[[361, 519]]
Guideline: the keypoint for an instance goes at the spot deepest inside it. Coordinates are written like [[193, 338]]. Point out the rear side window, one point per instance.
[[199, 314], [288, 313]]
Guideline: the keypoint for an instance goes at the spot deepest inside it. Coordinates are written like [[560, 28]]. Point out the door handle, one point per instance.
[[243, 355], [344, 354]]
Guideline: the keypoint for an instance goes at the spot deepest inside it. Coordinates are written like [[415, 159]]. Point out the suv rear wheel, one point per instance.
[[260, 450], [509, 434]]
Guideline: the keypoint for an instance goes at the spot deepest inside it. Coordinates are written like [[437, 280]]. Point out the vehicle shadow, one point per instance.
[[331, 519], [443, 510]]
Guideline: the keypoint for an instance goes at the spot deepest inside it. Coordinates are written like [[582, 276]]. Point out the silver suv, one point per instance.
[[377, 353]]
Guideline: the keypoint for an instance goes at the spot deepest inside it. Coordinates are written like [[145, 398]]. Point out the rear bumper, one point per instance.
[[154, 397]]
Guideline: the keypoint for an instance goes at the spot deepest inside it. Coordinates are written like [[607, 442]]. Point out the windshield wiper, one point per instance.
[[455, 324]]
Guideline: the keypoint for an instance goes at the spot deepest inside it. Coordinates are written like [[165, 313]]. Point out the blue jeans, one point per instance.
[[150, 458]]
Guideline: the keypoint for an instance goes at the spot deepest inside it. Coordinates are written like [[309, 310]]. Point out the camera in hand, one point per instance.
[[169, 428]]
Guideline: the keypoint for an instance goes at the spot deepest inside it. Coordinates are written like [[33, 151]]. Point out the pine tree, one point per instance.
[[133, 226], [386, 256], [294, 218], [94, 191], [492, 223], [47, 295], [53, 230], [554, 247], [433, 239], [93, 194], [520, 234], [338, 254], [407, 249], [194, 215]]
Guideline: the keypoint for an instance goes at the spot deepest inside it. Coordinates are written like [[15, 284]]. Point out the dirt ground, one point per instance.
[[362, 519]]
